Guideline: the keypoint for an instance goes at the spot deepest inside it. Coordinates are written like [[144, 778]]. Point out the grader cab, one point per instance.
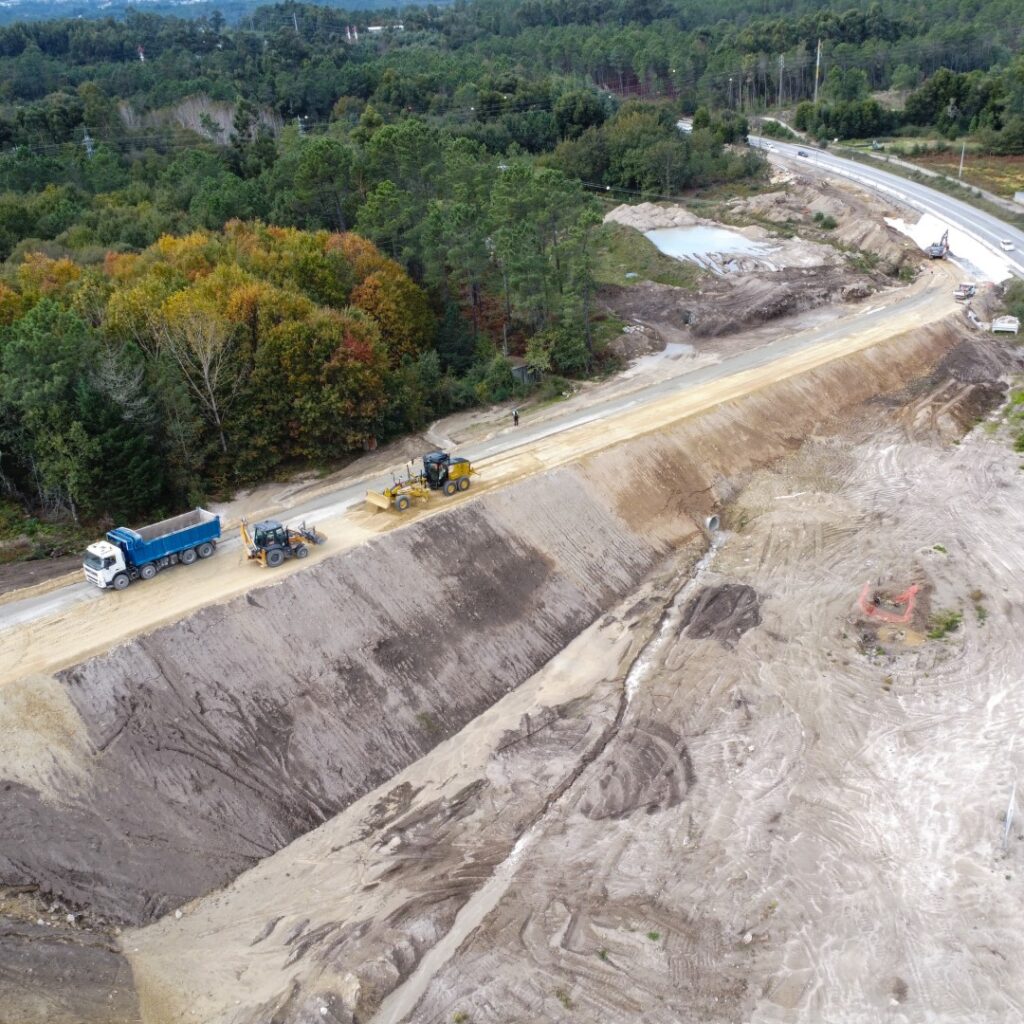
[[441, 472]]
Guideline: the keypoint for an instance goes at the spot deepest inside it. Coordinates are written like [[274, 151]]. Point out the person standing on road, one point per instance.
[[515, 417]]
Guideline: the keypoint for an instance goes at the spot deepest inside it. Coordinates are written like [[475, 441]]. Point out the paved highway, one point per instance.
[[980, 225]]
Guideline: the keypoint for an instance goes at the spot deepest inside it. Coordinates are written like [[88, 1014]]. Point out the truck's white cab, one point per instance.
[[103, 561]]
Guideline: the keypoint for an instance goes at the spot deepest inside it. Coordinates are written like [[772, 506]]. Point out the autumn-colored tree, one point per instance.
[[40, 275], [12, 305], [198, 337], [401, 310], [362, 255], [193, 255], [322, 381], [303, 261]]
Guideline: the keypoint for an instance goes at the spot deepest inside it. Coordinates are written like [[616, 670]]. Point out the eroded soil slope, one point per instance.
[[682, 813]]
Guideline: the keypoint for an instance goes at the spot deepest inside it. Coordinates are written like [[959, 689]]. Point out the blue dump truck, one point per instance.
[[128, 555]]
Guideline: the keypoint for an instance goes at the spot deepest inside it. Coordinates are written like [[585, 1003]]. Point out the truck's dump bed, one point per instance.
[[150, 543], [175, 524]]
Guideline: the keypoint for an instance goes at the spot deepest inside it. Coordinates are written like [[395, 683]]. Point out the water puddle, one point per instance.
[[674, 350], [710, 247]]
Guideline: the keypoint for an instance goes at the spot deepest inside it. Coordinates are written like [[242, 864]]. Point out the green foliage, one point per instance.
[[942, 623], [622, 251], [562, 348], [25, 537], [67, 422], [776, 130], [579, 110], [825, 221], [195, 347], [1013, 298], [845, 119]]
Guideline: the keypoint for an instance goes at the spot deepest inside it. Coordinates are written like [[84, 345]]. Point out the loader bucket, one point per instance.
[[374, 499]]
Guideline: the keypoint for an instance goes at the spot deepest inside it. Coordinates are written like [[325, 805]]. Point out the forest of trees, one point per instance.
[[354, 236]]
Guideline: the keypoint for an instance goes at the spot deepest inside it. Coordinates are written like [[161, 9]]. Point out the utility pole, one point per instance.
[[817, 72], [730, 92], [295, 22], [963, 149], [782, 67], [88, 143]]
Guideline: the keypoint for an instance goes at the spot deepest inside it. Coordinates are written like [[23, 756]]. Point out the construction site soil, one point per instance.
[[810, 266], [547, 753]]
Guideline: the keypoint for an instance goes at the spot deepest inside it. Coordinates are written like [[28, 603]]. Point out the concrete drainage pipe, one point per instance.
[[711, 524]]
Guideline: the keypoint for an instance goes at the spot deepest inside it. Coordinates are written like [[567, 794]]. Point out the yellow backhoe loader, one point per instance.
[[441, 472], [270, 543]]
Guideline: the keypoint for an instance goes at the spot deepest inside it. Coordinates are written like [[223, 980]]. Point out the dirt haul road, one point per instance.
[[64, 628]]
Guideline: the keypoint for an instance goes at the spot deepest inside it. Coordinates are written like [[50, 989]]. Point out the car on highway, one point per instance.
[[801, 152], [1006, 245]]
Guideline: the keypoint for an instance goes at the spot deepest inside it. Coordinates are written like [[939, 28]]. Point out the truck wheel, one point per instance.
[[301, 551], [450, 487], [188, 556], [275, 556], [121, 581], [463, 483], [205, 550], [148, 571], [402, 502]]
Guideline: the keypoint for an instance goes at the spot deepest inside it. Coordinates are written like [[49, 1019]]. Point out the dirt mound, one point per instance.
[[724, 612], [732, 303], [651, 216], [654, 771], [858, 217], [636, 343], [967, 384]]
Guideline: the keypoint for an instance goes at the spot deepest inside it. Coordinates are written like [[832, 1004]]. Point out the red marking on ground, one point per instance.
[[908, 598]]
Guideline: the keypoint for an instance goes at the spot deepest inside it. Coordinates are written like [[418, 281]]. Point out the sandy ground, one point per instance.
[[734, 798], [837, 850], [52, 642]]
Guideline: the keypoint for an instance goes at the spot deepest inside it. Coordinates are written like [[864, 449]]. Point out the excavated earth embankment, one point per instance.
[[161, 770]]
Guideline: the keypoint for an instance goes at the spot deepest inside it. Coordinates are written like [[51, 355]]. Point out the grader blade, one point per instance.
[[374, 499]]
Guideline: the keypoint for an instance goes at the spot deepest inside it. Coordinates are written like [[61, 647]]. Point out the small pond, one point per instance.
[[696, 242]]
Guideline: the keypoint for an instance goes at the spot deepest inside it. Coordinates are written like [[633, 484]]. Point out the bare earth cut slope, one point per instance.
[[309, 731]]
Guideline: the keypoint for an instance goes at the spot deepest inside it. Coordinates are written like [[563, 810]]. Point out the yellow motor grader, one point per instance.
[[441, 472]]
